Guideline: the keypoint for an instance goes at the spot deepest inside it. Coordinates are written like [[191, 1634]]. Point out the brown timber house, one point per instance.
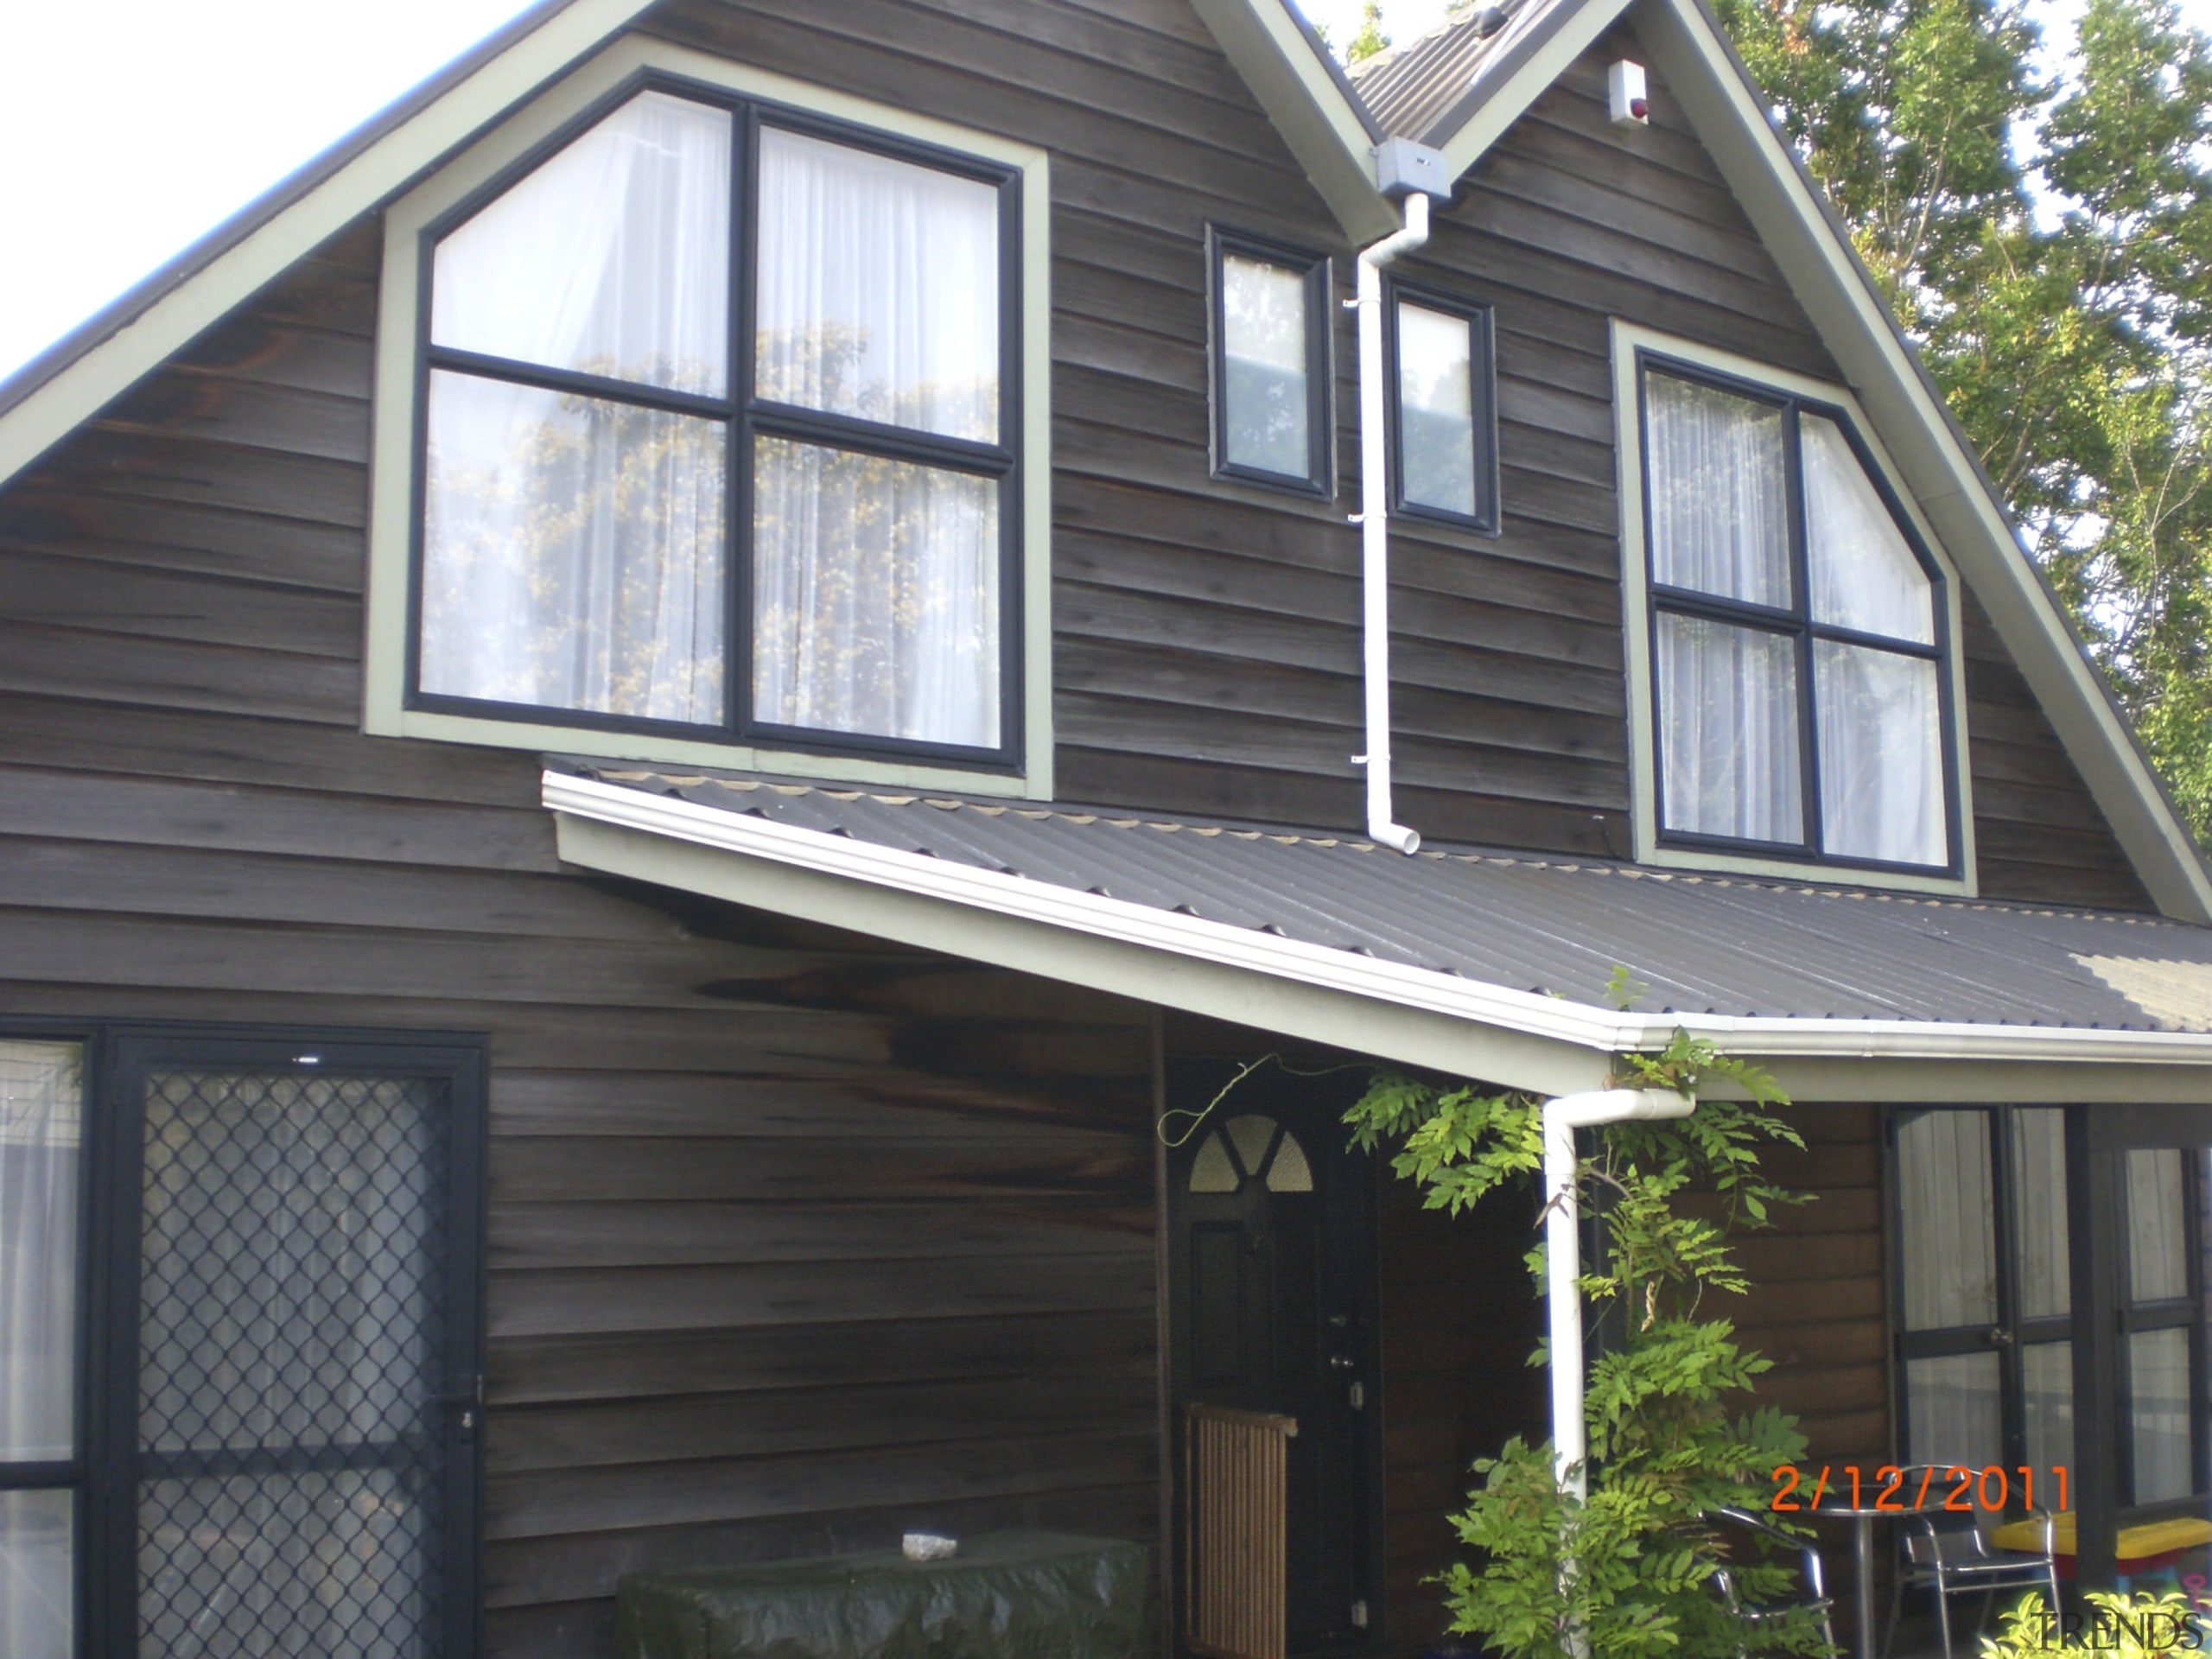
[[654, 723]]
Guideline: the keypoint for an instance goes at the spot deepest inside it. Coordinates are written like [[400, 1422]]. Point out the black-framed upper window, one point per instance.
[[1443, 410], [1799, 634], [1270, 364], [720, 418]]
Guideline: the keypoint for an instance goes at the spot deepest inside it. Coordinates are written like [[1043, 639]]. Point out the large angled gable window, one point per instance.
[[718, 440], [1798, 635]]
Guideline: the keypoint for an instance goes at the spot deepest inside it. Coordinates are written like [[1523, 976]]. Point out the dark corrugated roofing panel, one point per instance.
[[1700, 943]]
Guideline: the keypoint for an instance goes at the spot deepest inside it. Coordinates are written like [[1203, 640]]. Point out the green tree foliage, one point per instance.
[[1630, 1568], [2050, 246], [1370, 39]]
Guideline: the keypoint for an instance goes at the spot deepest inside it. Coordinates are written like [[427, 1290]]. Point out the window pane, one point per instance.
[[572, 553], [1210, 1171], [2158, 1233], [878, 287], [1949, 1244], [41, 1138], [1728, 731], [2157, 1380], [1436, 409], [1952, 1412], [37, 1574], [1864, 575], [1881, 755], [2047, 1389], [2039, 1210], [1290, 1172], [611, 258], [1250, 1135], [1264, 350], [875, 597], [1719, 504]]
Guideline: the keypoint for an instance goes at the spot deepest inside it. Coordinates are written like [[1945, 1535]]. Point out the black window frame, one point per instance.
[[1316, 270], [1482, 369], [744, 416], [103, 1474], [2186, 1312], [1797, 623]]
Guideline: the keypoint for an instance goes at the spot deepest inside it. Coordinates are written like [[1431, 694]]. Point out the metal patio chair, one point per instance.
[[1814, 1579], [1959, 1560]]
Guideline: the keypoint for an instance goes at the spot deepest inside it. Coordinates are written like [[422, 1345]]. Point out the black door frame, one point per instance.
[[104, 1474]]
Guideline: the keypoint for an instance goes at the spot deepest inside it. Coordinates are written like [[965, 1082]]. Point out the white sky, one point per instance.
[[201, 104]]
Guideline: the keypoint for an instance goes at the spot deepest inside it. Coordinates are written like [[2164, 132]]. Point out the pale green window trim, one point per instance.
[[1629, 339], [391, 504]]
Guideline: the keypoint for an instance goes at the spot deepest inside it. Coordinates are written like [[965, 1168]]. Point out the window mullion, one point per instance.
[[737, 533], [1808, 762]]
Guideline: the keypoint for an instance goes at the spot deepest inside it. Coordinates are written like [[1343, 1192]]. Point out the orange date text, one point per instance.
[[1889, 1487]]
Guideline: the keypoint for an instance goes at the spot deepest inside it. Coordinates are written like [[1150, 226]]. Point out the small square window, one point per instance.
[[1272, 421], [1443, 410]]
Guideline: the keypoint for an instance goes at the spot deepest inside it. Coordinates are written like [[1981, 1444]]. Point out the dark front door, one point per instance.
[[1272, 1289], [292, 1396]]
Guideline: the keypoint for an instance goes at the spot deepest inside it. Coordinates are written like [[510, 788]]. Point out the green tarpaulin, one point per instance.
[[1006, 1595]]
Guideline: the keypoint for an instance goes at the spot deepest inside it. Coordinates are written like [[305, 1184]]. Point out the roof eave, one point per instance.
[[1394, 1011], [74, 379]]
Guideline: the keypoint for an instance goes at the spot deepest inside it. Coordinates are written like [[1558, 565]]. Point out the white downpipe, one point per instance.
[[1563, 1271], [1563, 1254], [1375, 522]]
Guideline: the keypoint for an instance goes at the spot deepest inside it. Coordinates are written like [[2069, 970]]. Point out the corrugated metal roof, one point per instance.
[[1698, 943], [1412, 90]]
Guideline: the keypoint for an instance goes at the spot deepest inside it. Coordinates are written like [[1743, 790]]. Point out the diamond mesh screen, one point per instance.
[[293, 1280]]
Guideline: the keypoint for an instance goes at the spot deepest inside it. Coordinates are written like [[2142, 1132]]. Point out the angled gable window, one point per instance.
[[1443, 415], [1272, 423], [1797, 633], [719, 414]]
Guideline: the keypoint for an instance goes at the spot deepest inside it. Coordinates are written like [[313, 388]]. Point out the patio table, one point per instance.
[[1006, 1595]]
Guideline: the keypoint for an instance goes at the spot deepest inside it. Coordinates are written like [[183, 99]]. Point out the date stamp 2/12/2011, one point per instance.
[[1903, 1490]]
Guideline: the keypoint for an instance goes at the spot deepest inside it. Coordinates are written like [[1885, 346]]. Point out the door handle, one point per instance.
[[1999, 1336], [1343, 1362]]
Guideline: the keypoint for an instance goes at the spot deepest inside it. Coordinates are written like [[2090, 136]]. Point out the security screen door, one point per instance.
[[292, 1360]]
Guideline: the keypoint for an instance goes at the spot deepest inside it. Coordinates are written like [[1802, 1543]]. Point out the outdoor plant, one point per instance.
[[1628, 1571], [2118, 1627]]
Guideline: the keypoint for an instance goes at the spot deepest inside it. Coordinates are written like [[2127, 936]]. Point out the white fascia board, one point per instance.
[[107, 370], [1302, 98], [1824, 273], [1510, 1037]]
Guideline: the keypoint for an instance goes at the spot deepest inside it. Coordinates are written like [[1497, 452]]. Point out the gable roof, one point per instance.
[[1332, 130], [1495, 966]]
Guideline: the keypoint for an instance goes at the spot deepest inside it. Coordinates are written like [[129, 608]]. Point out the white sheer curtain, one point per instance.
[[1880, 723], [611, 258], [1863, 577], [1729, 730], [1436, 408], [572, 553], [875, 595], [2039, 1211], [1719, 498], [2157, 1361], [1947, 1244], [878, 287], [1263, 354], [42, 1137]]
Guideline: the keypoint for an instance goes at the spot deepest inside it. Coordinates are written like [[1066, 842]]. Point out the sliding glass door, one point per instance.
[[1983, 1302]]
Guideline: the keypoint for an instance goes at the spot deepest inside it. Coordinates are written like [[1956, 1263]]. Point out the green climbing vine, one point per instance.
[[1626, 1571]]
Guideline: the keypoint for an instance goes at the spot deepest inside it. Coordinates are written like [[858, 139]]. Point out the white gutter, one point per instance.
[[1563, 1272], [1375, 523], [1198, 938]]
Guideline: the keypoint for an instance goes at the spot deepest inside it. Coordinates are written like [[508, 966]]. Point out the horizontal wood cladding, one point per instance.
[[795, 1240]]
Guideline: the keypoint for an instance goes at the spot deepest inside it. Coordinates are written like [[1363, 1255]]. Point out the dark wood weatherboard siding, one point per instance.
[[794, 1242]]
